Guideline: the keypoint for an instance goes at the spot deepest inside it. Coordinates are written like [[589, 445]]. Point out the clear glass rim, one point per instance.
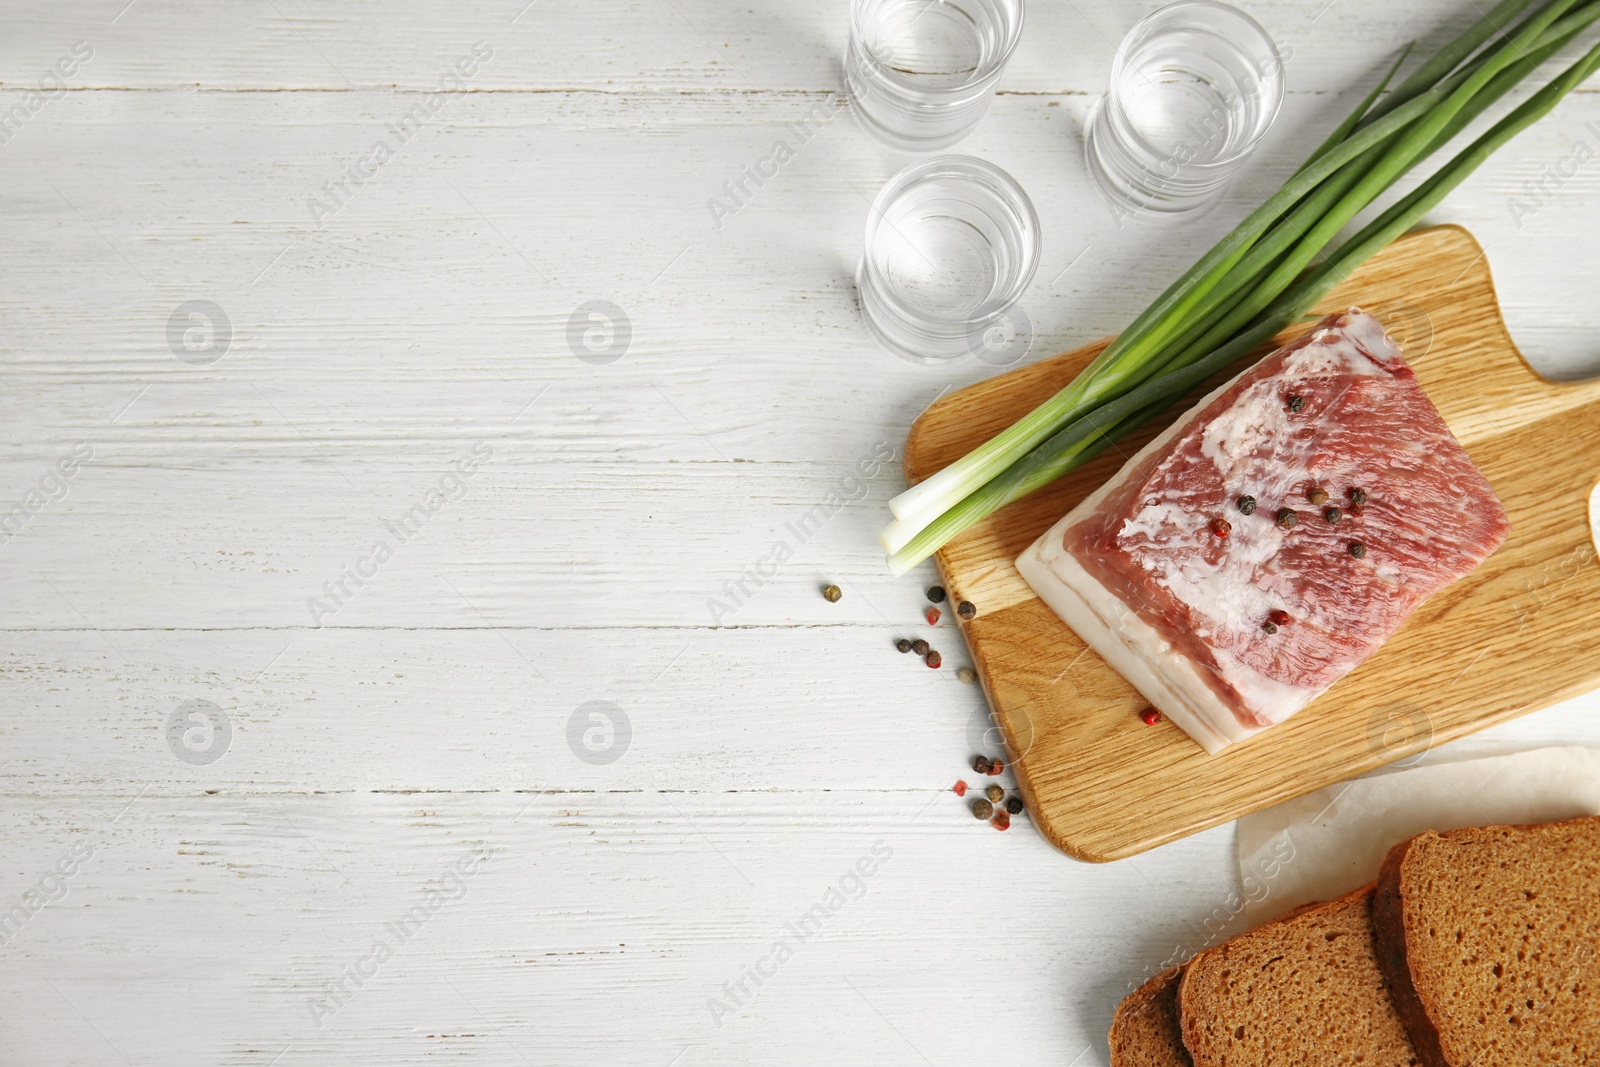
[[1015, 198], [1269, 116], [974, 85]]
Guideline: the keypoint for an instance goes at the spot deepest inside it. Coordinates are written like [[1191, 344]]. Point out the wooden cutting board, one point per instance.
[[1521, 632]]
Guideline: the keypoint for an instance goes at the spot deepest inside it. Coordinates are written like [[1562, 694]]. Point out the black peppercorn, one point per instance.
[[1269, 627], [1357, 549], [980, 764], [1247, 504], [1358, 496], [1297, 403], [966, 609], [1287, 517], [903, 645], [1014, 805], [1333, 515], [920, 647], [936, 594], [982, 809]]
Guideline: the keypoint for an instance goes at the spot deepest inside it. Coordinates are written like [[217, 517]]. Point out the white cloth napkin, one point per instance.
[[1329, 842]]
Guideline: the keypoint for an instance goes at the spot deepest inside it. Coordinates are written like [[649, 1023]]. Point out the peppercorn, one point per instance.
[[966, 609], [920, 647], [831, 594], [1357, 549], [1333, 515], [1297, 403], [980, 764], [1287, 517], [1014, 805], [1001, 821], [932, 615], [1267, 626], [1278, 617], [1317, 495], [903, 645], [995, 794], [1149, 716], [1358, 496], [959, 789], [936, 594], [982, 809], [996, 766], [934, 659], [1221, 527], [966, 675], [1247, 504]]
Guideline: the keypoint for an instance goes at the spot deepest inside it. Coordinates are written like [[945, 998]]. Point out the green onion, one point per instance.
[[1156, 324], [1179, 342]]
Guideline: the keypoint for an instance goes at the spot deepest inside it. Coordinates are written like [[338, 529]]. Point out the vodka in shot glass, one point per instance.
[[1194, 88], [952, 242], [921, 73]]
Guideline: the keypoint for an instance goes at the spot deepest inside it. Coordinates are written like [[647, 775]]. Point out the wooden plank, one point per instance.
[[204, 929], [409, 327], [609, 46], [1515, 635]]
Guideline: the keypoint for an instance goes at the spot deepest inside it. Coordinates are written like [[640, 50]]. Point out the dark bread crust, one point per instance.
[[1145, 1032], [1302, 989], [1473, 926], [1389, 929]]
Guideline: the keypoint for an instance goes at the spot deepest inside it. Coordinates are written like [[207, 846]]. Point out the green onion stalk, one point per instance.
[[1084, 435], [1254, 282]]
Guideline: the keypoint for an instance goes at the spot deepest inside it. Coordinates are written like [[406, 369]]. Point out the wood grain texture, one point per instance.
[[1497, 644], [371, 352]]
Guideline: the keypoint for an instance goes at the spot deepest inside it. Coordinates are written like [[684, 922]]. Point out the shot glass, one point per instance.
[[922, 72], [1194, 88], [952, 242]]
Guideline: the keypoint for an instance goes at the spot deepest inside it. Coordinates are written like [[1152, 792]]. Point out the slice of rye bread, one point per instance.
[[1304, 989], [1490, 938], [1144, 1032]]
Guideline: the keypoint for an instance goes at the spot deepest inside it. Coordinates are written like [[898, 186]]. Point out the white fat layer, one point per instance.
[[1234, 592], [1171, 682]]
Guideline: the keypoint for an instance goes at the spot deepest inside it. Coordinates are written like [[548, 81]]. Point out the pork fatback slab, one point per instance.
[[1229, 630]]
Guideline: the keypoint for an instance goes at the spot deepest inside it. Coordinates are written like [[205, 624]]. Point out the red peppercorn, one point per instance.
[[996, 766], [959, 789], [1150, 716], [932, 615], [1221, 527], [1278, 617], [1001, 820], [934, 659]]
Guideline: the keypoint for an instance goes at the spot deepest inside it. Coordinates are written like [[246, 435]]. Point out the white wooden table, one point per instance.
[[399, 846]]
